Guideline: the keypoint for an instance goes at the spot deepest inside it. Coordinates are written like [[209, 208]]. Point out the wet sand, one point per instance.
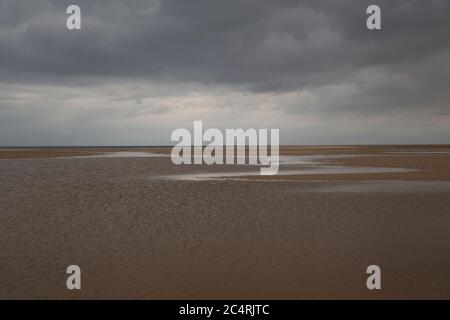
[[137, 236], [47, 152]]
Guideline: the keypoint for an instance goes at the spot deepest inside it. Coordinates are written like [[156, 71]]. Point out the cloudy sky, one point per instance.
[[139, 69]]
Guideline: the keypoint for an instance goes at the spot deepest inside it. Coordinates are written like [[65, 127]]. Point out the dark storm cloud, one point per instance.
[[258, 46], [266, 44]]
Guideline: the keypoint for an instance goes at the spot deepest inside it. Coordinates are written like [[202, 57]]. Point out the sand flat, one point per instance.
[[137, 237]]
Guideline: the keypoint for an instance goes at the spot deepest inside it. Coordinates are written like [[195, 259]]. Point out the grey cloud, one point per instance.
[[319, 48], [235, 41]]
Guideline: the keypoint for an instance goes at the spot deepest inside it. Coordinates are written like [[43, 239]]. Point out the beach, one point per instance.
[[141, 227]]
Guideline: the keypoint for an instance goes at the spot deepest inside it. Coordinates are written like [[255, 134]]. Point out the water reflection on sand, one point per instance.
[[120, 154], [384, 186], [306, 171], [301, 165]]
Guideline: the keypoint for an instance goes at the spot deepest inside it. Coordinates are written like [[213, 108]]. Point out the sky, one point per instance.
[[137, 70]]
